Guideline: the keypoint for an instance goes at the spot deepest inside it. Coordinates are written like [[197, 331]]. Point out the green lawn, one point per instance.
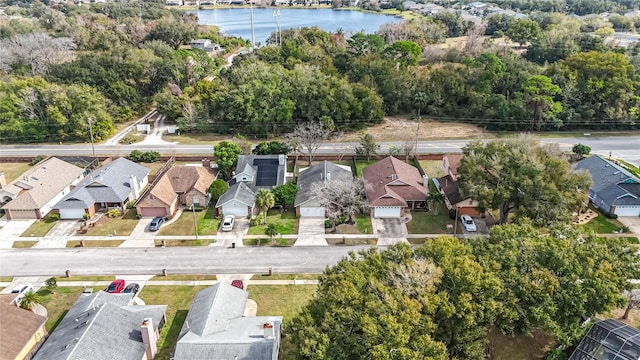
[[284, 300], [6, 279], [276, 241], [123, 225], [287, 223], [601, 225], [194, 139], [433, 168], [362, 226], [426, 223], [40, 227], [185, 277], [95, 243], [286, 277], [13, 170], [207, 223], [85, 278], [183, 242], [23, 244], [361, 164], [178, 299], [58, 303]]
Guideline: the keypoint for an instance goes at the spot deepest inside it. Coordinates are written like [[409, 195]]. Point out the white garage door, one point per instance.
[[235, 211], [312, 211], [71, 213], [386, 212], [627, 210]]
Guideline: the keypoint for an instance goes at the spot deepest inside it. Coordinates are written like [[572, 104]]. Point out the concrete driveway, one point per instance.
[[481, 227], [390, 230], [57, 237], [311, 232], [11, 231], [632, 222], [227, 238], [141, 236]]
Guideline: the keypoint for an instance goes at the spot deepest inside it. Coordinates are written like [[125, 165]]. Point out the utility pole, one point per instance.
[[93, 150], [253, 34]]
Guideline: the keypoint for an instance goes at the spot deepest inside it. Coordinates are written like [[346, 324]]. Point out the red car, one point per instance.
[[238, 283], [116, 287]]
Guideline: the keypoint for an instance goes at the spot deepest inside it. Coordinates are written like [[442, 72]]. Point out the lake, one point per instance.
[[237, 21]]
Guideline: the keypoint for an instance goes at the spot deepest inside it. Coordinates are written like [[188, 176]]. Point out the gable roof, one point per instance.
[[108, 184], [454, 163], [215, 328], [179, 179], [240, 192], [451, 189], [268, 171], [40, 184], [17, 328], [611, 182], [316, 174], [392, 182], [101, 326]]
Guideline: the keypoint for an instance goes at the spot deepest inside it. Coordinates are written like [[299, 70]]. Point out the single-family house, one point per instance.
[[476, 7], [393, 186], [110, 186], [22, 332], [204, 44], [216, 328], [614, 190], [253, 172], [306, 202], [449, 186], [609, 339], [238, 200], [180, 186], [105, 326], [34, 193]]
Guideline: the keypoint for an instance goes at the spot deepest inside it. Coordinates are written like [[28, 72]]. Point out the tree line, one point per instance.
[[562, 76]]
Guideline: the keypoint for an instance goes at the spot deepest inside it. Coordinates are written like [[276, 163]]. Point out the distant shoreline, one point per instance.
[[393, 12]]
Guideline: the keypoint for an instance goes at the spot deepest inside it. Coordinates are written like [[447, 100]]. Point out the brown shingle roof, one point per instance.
[[38, 185], [17, 327], [179, 179], [454, 163], [391, 182]]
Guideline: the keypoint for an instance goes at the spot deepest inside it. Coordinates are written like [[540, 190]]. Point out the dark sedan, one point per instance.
[[131, 289]]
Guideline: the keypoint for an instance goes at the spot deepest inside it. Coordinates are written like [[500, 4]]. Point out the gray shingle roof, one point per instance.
[[240, 192], [612, 183], [251, 164], [319, 173], [108, 184], [215, 328], [101, 326]]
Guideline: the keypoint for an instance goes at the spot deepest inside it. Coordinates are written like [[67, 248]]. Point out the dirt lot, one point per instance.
[[401, 129]]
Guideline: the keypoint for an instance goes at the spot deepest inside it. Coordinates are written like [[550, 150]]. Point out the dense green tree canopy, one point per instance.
[[226, 153], [519, 176]]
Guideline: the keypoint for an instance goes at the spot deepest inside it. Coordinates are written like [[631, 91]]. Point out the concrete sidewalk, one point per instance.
[[168, 283]]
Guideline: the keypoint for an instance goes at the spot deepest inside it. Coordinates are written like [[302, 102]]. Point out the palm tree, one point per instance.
[[420, 100], [265, 201], [271, 230], [435, 199], [29, 300]]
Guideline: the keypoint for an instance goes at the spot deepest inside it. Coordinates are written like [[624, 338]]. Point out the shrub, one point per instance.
[[255, 222], [51, 283], [147, 156], [130, 204], [114, 213], [37, 159], [86, 216], [54, 217]]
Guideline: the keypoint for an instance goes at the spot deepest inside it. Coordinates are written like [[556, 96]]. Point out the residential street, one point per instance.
[[200, 260], [620, 147]]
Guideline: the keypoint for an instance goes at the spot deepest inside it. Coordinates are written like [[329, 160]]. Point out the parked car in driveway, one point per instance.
[[132, 288], [227, 223], [238, 283], [116, 286], [156, 223], [19, 291], [468, 223]]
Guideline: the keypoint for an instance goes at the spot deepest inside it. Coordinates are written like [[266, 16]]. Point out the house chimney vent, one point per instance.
[[268, 330], [149, 338]]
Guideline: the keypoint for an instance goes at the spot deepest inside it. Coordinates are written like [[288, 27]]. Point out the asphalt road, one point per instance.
[[621, 147], [177, 260]]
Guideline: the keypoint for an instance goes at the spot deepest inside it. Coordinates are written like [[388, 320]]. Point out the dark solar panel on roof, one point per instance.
[[267, 174]]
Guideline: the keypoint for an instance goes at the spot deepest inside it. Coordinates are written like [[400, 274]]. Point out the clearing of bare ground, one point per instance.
[[400, 129]]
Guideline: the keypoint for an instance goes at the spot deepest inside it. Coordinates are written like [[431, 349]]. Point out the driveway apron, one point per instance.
[[311, 232]]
